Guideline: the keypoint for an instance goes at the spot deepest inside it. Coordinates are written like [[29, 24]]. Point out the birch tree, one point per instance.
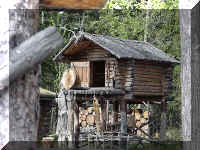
[[190, 53]]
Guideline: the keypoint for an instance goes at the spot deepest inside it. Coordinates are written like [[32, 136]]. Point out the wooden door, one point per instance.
[[82, 70]]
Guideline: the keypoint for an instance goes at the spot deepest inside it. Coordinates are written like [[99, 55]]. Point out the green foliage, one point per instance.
[[120, 4], [157, 4], [167, 146]]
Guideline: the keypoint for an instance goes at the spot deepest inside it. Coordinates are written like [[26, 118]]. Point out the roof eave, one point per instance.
[[60, 55]]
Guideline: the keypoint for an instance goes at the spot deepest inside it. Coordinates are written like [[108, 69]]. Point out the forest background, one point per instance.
[[154, 21]]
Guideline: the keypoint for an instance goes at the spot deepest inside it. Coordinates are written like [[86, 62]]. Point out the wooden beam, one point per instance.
[[98, 91], [73, 4], [30, 53]]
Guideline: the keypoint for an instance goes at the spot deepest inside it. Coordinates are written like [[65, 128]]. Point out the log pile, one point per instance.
[[140, 120], [87, 117]]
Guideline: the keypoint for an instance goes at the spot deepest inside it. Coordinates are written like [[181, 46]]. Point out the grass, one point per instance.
[[173, 134], [174, 146]]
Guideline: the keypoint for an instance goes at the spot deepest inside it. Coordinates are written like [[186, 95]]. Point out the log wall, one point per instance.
[[124, 78], [85, 66], [136, 77], [168, 80], [89, 52], [148, 79], [110, 72]]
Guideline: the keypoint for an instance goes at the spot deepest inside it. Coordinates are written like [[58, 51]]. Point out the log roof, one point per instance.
[[120, 48]]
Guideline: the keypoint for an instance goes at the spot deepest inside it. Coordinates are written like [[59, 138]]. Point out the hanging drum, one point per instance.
[[68, 78]]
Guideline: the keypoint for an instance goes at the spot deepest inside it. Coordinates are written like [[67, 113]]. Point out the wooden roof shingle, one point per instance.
[[121, 48]]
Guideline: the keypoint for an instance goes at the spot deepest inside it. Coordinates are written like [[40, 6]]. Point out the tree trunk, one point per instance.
[[24, 92], [190, 53], [70, 121], [186, 72], [147, 21], [4, 58], [19, 30], [195, 75], [61, 130]]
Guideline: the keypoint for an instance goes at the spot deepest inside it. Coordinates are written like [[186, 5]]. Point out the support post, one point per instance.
[[163, 121], [70, 122], [115, 112], [123, 115], [107, 113], [103, 115], [97, 114], [76, 123]]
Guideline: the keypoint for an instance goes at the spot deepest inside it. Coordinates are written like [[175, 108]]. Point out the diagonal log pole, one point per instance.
[[30, 53]]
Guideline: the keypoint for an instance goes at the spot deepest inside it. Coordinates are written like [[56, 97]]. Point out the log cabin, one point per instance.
[[119, 71]]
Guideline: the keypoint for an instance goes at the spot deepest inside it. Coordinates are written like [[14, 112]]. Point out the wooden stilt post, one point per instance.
[[70, 122], [163, 121], [123, 115], [103, 115], [97, 114], [107, 113], [115, 112], [123, 126], [76, 123]]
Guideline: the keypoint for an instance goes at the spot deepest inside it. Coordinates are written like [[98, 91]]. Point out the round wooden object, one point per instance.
[[83, 117], [69, 78], [137, 116], [90, 120], [143, 120], [146, 114], [85, 112], [138, 123], [84, 124], [90, 110]]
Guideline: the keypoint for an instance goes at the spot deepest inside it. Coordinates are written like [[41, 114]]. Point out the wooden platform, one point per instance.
[[101, 91]]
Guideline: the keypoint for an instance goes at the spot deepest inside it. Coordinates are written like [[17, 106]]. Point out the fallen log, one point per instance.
[[30, 53]]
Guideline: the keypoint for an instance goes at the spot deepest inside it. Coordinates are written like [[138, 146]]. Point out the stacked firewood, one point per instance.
[[87, 117], [141, 119]]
